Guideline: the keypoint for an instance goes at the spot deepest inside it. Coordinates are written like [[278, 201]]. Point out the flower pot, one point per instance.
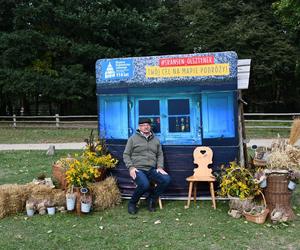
[[263, 184], [292, 185], [86, 207], [101, 172], [30, 212], [71, 203], [238, 204], [51, 210]]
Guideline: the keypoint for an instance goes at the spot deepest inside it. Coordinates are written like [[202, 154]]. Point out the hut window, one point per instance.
[[179, 115], [151, 109]]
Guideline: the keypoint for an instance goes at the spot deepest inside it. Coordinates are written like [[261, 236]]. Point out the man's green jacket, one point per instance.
[[143, 153]]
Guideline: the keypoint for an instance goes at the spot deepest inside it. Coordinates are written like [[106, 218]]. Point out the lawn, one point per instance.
[[33, 135], [252, 133], [198, 227]]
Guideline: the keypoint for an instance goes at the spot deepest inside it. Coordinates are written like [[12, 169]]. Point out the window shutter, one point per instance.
[[218, 115]]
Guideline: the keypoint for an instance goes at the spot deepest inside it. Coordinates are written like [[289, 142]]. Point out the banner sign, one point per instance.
[[185, 61], [203, 70], [186, 69], [117, 69]]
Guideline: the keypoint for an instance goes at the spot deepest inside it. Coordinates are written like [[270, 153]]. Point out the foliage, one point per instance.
[[80, 173], [250, 29], [96, 153], [48, 48], [98, 160], [237, 181], [289, 12]]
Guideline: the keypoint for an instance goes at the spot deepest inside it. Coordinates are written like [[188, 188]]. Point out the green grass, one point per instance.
[[43, 135], [22, 166], [28, 135], [195, 228], [267, 132]]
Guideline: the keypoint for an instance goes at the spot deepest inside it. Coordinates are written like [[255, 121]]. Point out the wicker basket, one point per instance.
[[258, 218], [59, 173], [278, 194], [259, 163]]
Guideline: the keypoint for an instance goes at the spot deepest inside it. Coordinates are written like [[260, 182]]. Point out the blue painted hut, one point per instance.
[[192, 100]]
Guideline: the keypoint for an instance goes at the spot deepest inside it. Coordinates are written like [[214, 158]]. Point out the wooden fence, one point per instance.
[[279, 121], [56, 121]]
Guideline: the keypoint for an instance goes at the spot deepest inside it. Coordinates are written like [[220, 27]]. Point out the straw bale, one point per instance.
[[12, 199], [59, 197], [106, 194], [39, 192]]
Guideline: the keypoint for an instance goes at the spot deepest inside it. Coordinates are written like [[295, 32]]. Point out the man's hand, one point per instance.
[[132, 172], [160, 170]]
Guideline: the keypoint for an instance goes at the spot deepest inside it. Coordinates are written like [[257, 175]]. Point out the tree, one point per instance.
[[253, 32], [49, 48]]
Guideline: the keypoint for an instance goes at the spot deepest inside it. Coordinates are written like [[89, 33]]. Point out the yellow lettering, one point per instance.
[[188, 71]]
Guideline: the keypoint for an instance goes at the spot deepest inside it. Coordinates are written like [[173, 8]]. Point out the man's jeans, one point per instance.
[[143, 180]]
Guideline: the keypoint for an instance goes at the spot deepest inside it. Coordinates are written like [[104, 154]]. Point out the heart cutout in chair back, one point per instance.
[[203, 151]]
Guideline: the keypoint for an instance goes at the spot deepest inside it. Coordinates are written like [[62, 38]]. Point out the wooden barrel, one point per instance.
[[278, 195]]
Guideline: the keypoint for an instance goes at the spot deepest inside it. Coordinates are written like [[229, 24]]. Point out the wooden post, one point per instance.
[[14, 121], [57, 120], [240, 128]]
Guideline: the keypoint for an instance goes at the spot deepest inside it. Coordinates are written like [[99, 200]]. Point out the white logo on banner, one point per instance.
[[109, 73]]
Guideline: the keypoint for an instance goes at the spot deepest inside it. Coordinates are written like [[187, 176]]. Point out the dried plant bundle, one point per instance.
[[295, 131], [283, 156]]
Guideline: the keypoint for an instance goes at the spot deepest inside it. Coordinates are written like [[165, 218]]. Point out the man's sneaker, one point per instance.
[[151, 205], [132, 209]]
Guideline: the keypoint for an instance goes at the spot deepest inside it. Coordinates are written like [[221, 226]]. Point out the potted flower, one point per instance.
[[97, 155], [237, 181], [80, 173], [238, 184]]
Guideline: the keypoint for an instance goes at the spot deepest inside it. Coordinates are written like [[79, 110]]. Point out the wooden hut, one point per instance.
[[192, 100]]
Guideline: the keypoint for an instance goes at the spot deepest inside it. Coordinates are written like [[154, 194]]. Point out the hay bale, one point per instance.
[[12, 199], [42, 192], [59, 197], [39, 192], [106, 194]]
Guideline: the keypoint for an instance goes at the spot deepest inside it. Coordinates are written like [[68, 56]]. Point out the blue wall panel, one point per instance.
[[218, 115], [113, 117]]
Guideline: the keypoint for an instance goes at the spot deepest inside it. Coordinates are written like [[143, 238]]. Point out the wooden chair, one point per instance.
[[202, 157], [159, 200]]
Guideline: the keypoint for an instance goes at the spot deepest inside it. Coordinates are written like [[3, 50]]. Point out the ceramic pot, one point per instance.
[[292, 185], [263, 184], [30, 212], [86, 207], [71, 204], [51, 210]]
